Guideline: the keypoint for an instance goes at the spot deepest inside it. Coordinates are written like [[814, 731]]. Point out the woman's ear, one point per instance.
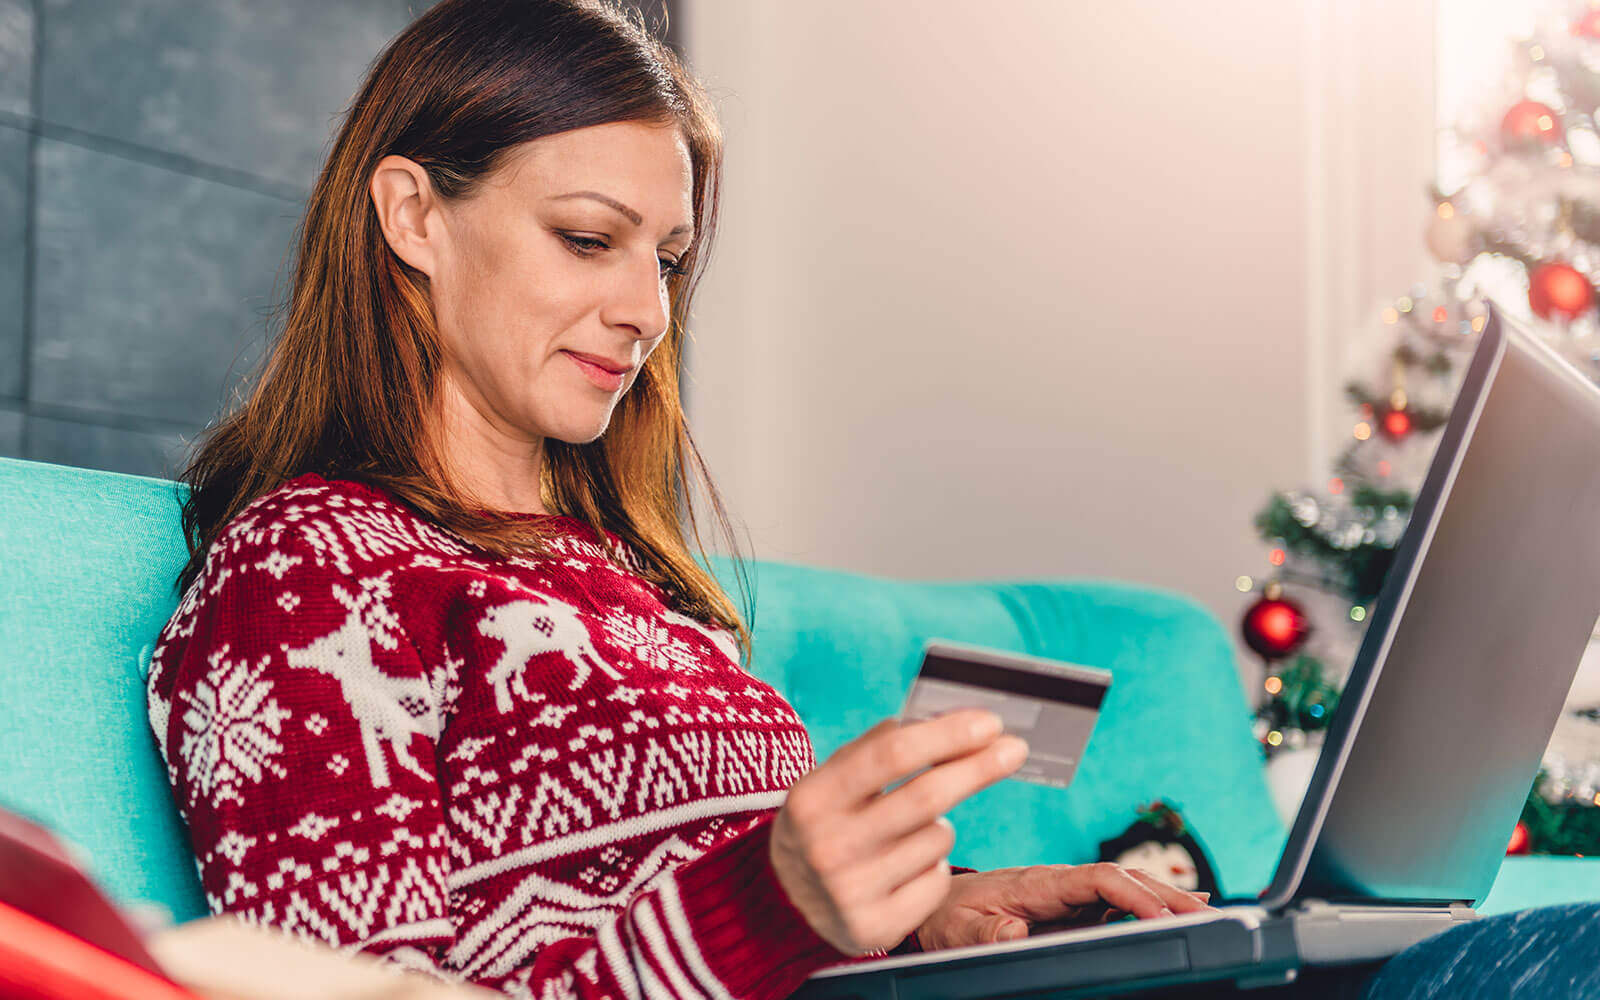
[[408, 212]]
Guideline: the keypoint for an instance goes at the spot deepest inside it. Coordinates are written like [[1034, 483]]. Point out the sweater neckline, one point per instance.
[[515, 515]]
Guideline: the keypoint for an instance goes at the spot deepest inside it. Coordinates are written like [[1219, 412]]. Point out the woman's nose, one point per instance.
[[641, 301]]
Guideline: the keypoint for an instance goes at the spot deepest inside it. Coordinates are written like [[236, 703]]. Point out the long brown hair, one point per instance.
[[348, 388]]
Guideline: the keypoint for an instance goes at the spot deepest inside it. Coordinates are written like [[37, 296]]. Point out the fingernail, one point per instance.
[[1166, 912]]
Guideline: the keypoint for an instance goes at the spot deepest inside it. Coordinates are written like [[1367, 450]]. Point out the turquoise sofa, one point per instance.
[[87, 561]]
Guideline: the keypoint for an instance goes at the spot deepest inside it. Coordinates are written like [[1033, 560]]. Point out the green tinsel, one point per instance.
[[1571, 826], [1305, 701], [1422, 420], [1360, 571]]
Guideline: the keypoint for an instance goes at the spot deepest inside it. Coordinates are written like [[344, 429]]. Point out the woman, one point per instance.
[[445, 683]]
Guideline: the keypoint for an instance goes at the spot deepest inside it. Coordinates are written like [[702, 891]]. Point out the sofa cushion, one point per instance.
[[844, 648], [90, 559]]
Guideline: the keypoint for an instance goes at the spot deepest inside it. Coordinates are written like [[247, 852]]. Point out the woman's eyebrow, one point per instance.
[[632, 216]]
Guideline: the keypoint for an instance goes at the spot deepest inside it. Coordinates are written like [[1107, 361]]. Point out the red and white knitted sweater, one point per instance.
[[526, 773]]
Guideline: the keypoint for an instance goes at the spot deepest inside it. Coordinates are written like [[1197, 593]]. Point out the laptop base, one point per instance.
[[1247, 945]]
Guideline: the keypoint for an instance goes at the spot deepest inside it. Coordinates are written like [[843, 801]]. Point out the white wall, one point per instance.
[[1046, 289]]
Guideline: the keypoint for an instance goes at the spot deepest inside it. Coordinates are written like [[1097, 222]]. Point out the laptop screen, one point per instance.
[[1472, 646]]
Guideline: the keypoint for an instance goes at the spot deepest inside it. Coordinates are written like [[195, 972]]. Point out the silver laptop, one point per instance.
[[1473, 645]]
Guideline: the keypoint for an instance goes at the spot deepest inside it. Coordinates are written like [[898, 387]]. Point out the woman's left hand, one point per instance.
[[1002, 905]]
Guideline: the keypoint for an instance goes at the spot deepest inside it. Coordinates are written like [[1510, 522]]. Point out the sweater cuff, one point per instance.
[[750, 934]]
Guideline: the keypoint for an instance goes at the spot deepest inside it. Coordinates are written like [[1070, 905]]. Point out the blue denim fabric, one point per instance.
[[1548, 951]]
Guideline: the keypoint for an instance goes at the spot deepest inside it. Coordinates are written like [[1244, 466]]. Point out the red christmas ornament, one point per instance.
[[1587, 26], [1529, 123], [1275, 627], [1519, 840], [1396, 424], [1559, 291]]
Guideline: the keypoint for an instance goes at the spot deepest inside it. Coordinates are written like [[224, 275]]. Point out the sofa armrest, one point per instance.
[[1542, 880]]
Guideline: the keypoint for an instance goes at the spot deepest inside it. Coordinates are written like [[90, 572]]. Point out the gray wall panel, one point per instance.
[[16, 56], [13, 255], [97, 446], [150, 285], [243, 84], [172, 145], [10, 433]]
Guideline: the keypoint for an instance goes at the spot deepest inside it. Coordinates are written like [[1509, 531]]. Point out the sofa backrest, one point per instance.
[[89, 559], [1175, 725], [87, 564]]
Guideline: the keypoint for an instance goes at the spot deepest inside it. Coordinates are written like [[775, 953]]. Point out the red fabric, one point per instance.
[[40, 961], [529, 773]]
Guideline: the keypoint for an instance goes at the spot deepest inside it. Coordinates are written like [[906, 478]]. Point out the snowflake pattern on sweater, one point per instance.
[[526, 773]]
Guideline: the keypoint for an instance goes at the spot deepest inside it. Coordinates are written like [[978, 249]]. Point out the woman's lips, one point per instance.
[[602, 379]]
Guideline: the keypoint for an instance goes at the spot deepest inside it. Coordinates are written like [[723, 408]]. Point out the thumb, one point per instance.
[[1001, 927]]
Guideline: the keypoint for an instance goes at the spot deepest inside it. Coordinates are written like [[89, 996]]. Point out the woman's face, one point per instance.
[[562, 251]]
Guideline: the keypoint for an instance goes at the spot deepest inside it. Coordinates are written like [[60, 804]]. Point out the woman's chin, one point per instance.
[[584, 433]]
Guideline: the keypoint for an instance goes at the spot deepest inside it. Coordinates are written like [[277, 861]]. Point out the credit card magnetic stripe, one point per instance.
[[1034, 684]]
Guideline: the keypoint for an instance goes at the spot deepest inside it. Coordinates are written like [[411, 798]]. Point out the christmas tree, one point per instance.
[[1517, 223]]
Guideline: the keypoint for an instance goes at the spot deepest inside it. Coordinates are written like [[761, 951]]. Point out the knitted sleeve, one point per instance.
[[299, 728]]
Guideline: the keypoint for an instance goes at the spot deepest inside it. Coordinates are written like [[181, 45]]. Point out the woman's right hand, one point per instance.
[[866, 867]]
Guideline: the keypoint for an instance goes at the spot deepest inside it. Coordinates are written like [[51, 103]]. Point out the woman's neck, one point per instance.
[[495, 465]]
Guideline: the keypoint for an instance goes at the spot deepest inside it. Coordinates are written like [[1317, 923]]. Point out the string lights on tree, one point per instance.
[[1521, 228]]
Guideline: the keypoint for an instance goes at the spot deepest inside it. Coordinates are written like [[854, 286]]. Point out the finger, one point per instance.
[[1080, 884], [935, 791], [1070, 892], [862, 768], [904, 910], [1177, 900], [884, 871]]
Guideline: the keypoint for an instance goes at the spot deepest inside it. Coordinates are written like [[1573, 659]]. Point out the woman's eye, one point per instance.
[[584, 245], [587, 245]]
